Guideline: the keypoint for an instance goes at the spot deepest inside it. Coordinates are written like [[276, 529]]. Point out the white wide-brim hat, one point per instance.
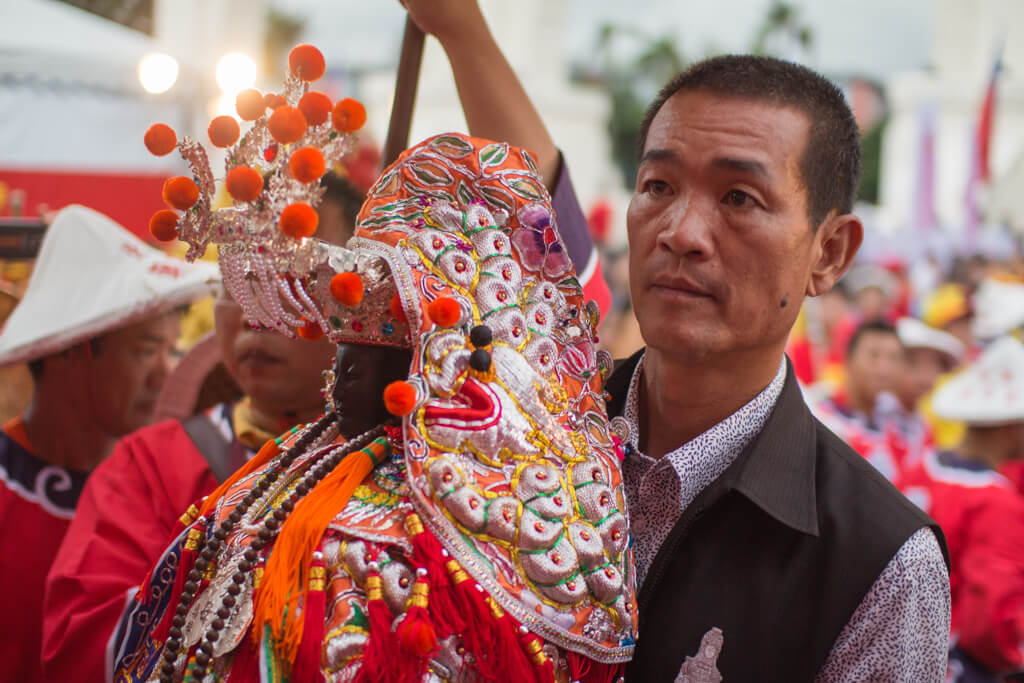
[[914, 334], [988, 393], [93, 276], [999, 308]]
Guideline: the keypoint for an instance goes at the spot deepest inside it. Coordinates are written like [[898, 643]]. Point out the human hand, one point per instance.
[[446, 19]]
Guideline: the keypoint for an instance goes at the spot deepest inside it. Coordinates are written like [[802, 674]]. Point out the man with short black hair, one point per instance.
[[766, 549]]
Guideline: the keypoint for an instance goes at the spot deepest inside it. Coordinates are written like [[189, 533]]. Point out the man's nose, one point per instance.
[[688, 229]]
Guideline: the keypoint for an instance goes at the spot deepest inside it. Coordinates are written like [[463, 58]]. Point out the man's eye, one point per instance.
[[738, 199], [655, 187]]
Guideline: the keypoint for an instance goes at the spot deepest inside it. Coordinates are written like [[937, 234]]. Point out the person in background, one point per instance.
[[929, 354], [981, 513], [96, 325]]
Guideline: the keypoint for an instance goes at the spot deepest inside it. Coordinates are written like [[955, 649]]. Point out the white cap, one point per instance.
[[916, 335], [93, 276], [990, 392], [998, 308], [868, 275]]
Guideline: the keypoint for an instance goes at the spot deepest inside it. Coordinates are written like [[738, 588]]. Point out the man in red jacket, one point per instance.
[[981, 513]]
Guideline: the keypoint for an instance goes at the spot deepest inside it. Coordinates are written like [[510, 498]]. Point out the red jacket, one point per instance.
[[982, 516], [124, 521]]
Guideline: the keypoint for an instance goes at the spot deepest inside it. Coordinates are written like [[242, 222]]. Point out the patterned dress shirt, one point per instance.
[[900, 631]]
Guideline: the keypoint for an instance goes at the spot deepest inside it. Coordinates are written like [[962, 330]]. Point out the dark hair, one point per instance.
[[870, 327], [341, 190], [830, 167]]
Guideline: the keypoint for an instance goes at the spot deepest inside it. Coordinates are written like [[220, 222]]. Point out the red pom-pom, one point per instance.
[[286, 124], [299, 220], [347, 289], [160, 139], [306, 62], [223, 131], [164, 225], [307, 165], [399, 398], [395, 308], [250, 104], [310, 331], [445, 311], [349, 115], [180, 192], [316, 107], [272, 100], [244, 184]]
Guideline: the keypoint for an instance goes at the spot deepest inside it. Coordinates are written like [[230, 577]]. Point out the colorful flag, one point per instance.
[[980, 146], [924, 194]]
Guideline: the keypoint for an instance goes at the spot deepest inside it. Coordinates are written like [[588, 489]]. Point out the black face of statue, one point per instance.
[[360, 375]]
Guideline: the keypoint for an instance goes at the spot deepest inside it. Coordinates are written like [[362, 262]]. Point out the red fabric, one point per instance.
[[29, 538], [596, 288], [1014, 471], [126, 516], [129, 198], [982, 517]]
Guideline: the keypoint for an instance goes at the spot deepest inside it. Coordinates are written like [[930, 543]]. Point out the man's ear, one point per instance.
[[838, 239]]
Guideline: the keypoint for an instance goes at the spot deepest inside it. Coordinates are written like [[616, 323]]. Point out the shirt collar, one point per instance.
[[776, 468]]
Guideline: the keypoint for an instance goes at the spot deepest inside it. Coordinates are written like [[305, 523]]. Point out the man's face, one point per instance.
[[280, 375], [923, 368], [873, 366], [127, 371], [720, 246]]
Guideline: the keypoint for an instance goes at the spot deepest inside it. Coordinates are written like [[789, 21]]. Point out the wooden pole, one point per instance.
[[405, 92]]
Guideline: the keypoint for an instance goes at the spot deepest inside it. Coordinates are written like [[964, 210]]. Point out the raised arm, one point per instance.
[[483, 77]]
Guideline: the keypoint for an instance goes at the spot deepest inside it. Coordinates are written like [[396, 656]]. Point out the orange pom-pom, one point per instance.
[[164, 225], [287, 124], [307, 165], [180, 192], [310, 331], [244, 184], [347, 289], [349, 115], [316, 107], [223, 131], [299, 220], [395, 308], [272, 100], [250, 104], [160, 139], [306, 62], [399, 398], [445, 311]]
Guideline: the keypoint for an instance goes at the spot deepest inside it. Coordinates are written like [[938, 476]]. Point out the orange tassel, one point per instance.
[[286, 579], [307, 665], [378, 654], [429, 554], [265, 455]]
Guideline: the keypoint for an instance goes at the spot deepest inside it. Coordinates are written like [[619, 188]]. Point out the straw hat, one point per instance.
[[92, 276]]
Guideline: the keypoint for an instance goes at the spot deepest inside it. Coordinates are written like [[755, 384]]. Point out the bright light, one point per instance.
[[235, 72], [158, 72], [226, 105]]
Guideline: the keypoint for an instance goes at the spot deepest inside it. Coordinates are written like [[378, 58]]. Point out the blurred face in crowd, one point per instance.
[[127, 369], [873, 365], [961, 329], [281, 376], [871, 303], [922, 369], [721, 249]]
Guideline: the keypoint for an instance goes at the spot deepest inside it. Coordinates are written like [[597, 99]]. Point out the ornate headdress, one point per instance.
[[507, 496]]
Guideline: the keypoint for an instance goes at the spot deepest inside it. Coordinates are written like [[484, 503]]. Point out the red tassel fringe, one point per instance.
[[307, 665], [378, 656], [187, 563], [427, 551], [245, 667], [586, 670]]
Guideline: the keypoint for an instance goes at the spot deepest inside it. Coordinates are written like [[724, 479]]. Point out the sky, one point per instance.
[[864, 37]]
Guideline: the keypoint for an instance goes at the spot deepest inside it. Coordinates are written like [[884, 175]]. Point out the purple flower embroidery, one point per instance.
[[538, 244]]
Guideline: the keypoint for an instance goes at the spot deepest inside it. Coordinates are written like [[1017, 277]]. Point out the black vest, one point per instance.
[[777, 552]]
